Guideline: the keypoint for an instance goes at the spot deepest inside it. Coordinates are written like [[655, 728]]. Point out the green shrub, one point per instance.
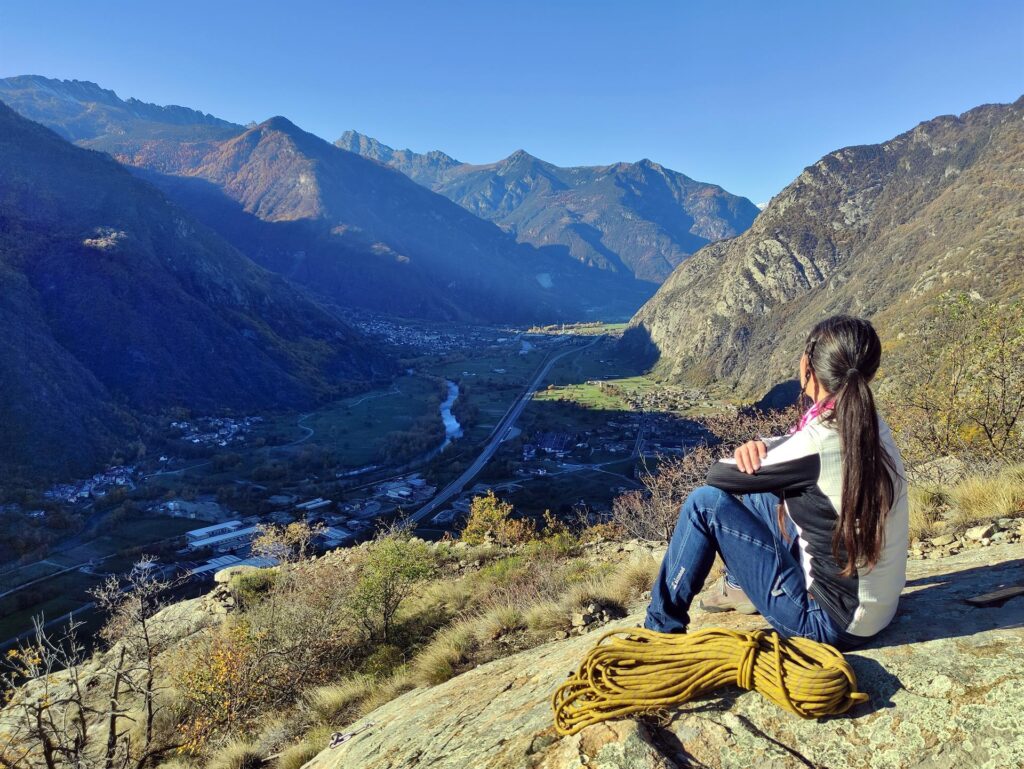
[[503, 568], [393, 564], [250, 585]]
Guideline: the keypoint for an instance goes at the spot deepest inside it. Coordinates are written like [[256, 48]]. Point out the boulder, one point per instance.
[[225, 575], [944, 679], [980, 532]]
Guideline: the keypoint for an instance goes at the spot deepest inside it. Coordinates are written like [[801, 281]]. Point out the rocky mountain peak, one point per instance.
[[854, 232], [282, 124], [361, 144]]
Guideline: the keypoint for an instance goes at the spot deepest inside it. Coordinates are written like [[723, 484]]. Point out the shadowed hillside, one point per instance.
[[111, 295]]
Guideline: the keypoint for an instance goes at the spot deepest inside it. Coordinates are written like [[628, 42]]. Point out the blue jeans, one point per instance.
[[746, 533]]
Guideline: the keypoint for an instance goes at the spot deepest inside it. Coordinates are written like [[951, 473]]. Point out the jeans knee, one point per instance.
[[705, 496], [703, 500]]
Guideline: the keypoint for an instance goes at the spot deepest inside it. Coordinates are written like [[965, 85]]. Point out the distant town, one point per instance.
[[549, 419]]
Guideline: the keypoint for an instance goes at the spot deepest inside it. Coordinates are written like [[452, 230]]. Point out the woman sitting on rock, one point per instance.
[[812, 526]]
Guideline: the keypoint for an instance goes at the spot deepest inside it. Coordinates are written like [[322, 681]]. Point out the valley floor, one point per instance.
[[552, 419]]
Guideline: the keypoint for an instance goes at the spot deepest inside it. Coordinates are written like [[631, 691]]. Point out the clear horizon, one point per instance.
[[744, 96]]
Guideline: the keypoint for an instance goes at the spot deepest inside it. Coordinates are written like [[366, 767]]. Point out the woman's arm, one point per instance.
[[790, 463]]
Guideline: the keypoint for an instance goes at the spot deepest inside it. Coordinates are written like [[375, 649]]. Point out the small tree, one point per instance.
[[491, 518], [288, 544], [651, 513], [393, 564], [958, 388], [58, 714]]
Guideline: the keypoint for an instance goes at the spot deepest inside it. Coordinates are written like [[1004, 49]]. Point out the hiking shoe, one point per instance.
[[725, 597]]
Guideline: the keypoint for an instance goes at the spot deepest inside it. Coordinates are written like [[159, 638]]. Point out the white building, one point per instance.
[[227, 541], [210, 531], [314, 504]]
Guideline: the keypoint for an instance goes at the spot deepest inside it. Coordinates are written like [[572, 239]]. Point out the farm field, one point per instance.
[[55, 597]]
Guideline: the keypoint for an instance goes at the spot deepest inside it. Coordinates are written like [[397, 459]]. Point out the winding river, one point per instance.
[[452, 428]]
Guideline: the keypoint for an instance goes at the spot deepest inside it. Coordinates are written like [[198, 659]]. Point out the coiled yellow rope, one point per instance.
[[641, 671]]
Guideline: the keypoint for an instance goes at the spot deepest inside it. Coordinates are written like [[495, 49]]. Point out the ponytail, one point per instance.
[[867, 488], [844, 354]]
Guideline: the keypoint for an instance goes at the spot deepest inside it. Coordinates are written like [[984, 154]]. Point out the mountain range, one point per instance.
[[174, 259], [115, 302], [875, 230], [348, 228], [638, 219]]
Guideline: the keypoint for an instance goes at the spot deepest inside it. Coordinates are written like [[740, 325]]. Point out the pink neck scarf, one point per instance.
[[813, 412]]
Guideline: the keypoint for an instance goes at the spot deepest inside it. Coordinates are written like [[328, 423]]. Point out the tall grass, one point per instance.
[[448, 650], [236, 755], [338, 702], [980, 499], [925, 506], [297, 755]]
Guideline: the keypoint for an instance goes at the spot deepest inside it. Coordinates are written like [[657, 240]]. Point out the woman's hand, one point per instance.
[[749, 456]]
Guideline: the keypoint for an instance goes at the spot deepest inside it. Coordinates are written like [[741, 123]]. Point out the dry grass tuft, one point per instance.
[[445, 653], [297, 755], [336, 703], [632, 579], [236, 755], [496, 622], [612, 586], [546, 618], [454, 596], [400, 683], [979, 499], [926, 504]]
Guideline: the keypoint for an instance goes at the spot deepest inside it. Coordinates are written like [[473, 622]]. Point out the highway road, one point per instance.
[[455, 487]]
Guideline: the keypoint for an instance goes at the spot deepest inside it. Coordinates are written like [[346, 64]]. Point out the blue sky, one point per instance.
[[743, 94]]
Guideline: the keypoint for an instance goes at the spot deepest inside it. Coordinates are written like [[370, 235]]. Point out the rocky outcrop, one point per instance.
[[945, 683], [875, 230]]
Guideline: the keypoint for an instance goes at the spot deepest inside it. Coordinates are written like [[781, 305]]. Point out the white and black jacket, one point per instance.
[[805, 470]]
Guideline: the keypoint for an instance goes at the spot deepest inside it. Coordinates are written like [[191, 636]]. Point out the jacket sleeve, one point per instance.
[[792, 463]]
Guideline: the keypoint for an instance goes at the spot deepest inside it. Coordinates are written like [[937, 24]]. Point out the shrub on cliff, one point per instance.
[[394, 563], [491, 518], [958, 388]]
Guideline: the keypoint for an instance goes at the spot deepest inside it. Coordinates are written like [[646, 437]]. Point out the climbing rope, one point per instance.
[[641, 671]]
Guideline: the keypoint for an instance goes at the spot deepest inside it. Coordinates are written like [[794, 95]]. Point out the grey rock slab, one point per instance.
[[945, 683]]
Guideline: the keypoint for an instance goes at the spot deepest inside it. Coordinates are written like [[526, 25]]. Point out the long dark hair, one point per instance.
[[844, 353]]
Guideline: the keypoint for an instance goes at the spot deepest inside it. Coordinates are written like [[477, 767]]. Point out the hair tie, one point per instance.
[[852, 370]]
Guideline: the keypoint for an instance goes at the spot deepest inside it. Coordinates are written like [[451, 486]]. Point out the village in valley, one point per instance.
[[207, 485]]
